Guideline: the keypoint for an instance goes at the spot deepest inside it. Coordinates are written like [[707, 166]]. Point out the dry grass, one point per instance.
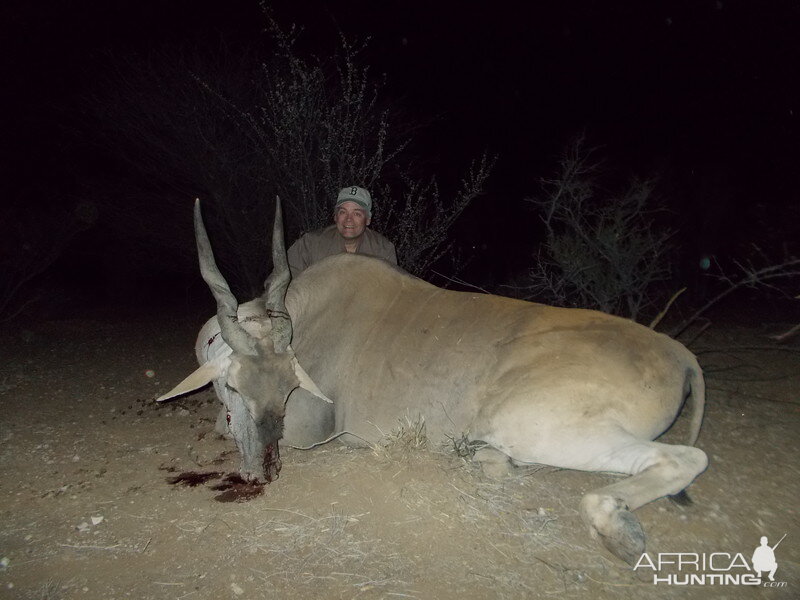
[[517, 521], [410, 434], [464, 447], [377, 540], [302, 548]]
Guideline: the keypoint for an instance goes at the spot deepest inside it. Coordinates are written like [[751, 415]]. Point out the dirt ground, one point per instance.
[[87, 511]]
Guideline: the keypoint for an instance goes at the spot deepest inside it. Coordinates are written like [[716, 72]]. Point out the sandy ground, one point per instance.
[[87, 511]]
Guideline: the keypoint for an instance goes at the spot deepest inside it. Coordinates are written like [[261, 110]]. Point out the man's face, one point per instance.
[[351, 220]]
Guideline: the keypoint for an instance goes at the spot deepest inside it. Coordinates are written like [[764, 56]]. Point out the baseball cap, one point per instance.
[[358, 195]]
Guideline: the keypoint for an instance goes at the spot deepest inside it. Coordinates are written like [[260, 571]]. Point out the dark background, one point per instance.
[[703, 92]]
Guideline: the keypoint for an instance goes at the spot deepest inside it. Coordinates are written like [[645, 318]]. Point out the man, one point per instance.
[[349, 233]]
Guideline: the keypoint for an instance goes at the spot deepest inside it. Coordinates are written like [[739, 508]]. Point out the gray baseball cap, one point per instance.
[[358, 195]]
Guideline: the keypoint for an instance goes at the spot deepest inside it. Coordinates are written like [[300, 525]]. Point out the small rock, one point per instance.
[[236, 589], [97, 520], [4, 562]]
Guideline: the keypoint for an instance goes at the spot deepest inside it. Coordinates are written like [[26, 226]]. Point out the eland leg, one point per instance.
[[494, 464], [656, 470], [309, 420]]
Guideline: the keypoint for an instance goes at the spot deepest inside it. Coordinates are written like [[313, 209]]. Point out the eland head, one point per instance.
[[257, 371]]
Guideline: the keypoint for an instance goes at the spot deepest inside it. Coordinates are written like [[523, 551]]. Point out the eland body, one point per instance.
[[571, 388]]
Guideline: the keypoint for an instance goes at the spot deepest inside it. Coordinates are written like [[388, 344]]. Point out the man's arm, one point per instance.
[[382, 247], [298, 256], [391, 254]]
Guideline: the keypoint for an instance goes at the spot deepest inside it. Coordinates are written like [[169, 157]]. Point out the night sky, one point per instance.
[[703, 91]]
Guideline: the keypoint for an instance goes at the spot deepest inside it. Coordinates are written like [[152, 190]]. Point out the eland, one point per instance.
[[372, 345]]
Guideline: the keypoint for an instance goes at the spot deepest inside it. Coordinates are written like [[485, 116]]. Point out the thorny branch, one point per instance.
[[751, 277]]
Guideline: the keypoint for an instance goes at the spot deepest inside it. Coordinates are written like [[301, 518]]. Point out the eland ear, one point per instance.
[[306, 382], [202, 376]]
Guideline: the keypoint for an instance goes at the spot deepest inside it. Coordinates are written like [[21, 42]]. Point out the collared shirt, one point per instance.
[[316, 245]]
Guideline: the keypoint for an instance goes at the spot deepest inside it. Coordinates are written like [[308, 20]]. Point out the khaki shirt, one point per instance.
[[316, 245]]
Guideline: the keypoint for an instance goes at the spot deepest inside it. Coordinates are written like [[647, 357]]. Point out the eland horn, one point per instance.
[[227, 306], [275, 287]]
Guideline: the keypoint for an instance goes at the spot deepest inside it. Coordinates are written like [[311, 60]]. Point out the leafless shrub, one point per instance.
[[602, 249], [418, 224], [236, 132], [749, 276], [319, 125], [786, 335]]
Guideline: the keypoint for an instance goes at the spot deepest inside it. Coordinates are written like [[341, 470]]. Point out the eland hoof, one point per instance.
[[626, 538], [614, 526]]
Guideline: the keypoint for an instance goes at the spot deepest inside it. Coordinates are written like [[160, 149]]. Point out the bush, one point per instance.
[[236, 133], [602, 249], [321, 125]]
